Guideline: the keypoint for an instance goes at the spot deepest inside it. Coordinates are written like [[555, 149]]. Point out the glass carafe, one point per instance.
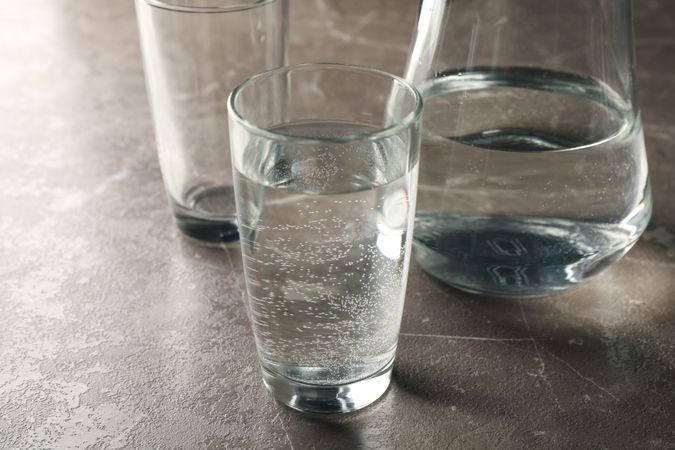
[[533, 171]]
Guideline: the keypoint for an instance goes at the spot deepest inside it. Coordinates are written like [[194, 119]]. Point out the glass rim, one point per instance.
[[181, 6], [383, 132]]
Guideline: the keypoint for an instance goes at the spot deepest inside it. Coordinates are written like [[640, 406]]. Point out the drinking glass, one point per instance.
[[195, 52], [325, 170], [533, 171]]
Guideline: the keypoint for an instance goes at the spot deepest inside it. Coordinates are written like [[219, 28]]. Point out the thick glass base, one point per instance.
[[209, 216], [209, 231], [502, 276], [328, 399], [518, 257]]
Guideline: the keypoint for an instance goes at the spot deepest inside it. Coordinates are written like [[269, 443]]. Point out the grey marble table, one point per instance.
[[116, 332]]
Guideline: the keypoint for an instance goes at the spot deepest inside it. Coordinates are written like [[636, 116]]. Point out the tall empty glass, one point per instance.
[[195, 52], [533, 171], [325, 169]]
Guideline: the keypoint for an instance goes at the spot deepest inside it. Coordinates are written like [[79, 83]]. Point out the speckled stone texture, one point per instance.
[[117, 332]]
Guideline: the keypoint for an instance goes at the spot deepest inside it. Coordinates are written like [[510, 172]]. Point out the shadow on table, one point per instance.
[[592, 369]]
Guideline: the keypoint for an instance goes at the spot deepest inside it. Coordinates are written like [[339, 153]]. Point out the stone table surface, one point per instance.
[[117, 332]]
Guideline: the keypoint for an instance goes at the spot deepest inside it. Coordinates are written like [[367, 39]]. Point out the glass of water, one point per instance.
[[325, 166], [195, 52], [533, 171]]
